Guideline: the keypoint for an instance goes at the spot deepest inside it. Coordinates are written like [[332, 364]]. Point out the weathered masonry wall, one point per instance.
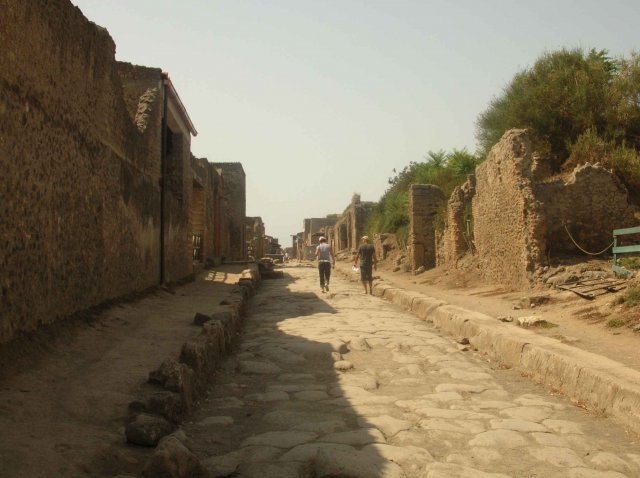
[[424, 201], [235, 195], [80, 197], [256, 239], [506, 214], [345, 234], [590, 202], [202, 211], [520, 211], [455, 241], [221, 218]]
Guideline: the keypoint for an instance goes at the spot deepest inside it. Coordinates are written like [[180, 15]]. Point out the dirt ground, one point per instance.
[[571, 319], [64, 397]]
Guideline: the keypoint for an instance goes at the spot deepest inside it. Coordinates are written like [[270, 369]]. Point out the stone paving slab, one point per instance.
[[597, 382], [414, 403]]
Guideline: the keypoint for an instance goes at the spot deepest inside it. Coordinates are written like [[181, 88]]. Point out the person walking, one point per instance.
[[325, 256], [368, 262]]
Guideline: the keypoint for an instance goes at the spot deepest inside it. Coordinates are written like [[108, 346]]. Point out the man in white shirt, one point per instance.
[[325, 256]]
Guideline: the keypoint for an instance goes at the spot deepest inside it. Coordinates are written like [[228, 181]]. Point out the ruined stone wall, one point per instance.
[[203, 207], [256, 239], [453, 243], [220, 220], [591, 202], [236, 195], [320, 225], [314, 227], [143, 92], [349, 227], [341, 229], [507, 230], [79, 195], [424, 201]]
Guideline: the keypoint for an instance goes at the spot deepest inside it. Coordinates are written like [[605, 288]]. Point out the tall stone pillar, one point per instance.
[[424, 200]]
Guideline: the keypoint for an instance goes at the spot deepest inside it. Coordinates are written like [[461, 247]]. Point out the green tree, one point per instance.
[[564, 94], [445, 170]]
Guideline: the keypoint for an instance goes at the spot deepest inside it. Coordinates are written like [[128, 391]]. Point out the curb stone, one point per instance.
[[181, 383]]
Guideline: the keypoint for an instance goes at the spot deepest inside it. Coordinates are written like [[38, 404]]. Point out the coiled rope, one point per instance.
[[586, 252]]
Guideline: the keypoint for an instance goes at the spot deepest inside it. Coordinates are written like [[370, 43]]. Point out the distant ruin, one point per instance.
[[349, 228]]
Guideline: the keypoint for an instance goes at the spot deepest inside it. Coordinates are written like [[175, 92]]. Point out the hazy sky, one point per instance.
[[319, 99]]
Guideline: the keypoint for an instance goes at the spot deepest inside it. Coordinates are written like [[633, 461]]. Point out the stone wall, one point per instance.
[[507, 216], [455, 241], [203, 210], [256, 238], [520, 211], [221, 219], [235, 195], [80, 197], [345, 233], [591, 202], [424, 201]]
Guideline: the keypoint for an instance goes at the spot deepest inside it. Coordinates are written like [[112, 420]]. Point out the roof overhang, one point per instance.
[[173, 94]]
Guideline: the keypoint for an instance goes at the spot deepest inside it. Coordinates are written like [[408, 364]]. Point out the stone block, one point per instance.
[[172, 459], [166, 404], [176, 377], [147, 430], [424, 306]]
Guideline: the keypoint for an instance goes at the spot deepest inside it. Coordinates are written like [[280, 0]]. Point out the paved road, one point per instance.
[[344, 384]]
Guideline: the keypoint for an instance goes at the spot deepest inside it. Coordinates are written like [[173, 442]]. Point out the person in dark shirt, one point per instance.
[[368, 262]]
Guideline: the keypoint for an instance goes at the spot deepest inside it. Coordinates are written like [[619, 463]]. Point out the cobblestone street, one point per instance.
[[345, 384]]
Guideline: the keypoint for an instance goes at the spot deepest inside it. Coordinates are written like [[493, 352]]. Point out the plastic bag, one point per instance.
[[355, 269]]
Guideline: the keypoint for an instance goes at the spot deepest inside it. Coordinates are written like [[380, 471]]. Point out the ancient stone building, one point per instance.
[[313, 229], [99, 193], [345, 234], [255, 235], [204, 213], [424, 201], [523, 215], [221, 217], [272, 246], [235, 195], [297, 244]]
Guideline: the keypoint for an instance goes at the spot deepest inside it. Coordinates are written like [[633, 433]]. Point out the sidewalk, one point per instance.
[[591, 380], [64, 409]]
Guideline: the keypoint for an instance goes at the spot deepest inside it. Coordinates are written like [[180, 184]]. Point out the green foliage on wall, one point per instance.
[[446, 170], [581, 106]]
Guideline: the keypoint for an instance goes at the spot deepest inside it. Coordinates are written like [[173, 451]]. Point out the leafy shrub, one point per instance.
[[632, 297], [615, 323], [445, 170], [581, 107]]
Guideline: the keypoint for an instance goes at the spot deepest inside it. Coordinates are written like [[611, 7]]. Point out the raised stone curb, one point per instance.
[[594, 381], [182, 382]]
